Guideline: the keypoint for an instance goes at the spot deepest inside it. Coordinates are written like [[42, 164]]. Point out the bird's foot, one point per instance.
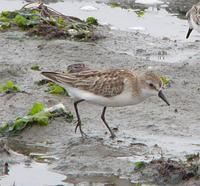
[[78, 125], [112, 135], [83, 134]]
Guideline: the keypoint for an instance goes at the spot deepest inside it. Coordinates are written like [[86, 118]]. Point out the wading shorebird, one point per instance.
[[109, 88], [193, 16]]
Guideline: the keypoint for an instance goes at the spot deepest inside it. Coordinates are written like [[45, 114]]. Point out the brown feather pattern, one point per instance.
[[107, 83]]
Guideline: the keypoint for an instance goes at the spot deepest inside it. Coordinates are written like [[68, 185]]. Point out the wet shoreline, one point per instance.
[[146, 131]]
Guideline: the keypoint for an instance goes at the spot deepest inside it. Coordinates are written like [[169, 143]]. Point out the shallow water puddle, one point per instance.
[[10, 5], [34, 174], [154, 16], [32, 169], [37, 174], [18, 168]]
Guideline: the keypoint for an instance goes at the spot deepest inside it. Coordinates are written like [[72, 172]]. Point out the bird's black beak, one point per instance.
[[162, 96], [189, 32]]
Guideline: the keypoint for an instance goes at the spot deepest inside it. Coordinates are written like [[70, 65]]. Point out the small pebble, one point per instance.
[[115, 128]]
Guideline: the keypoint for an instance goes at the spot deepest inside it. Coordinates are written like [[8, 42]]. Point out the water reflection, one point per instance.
[[35, 174], [31, 173]]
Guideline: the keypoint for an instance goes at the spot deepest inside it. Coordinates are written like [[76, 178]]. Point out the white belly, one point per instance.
[[123, 99]]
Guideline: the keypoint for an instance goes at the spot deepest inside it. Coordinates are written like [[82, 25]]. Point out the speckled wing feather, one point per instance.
[[105, 83]]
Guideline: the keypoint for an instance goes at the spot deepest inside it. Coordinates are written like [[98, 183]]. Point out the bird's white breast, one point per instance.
[[123, 99]]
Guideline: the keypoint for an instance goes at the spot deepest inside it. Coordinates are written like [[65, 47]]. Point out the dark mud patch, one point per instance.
[[168, 172]]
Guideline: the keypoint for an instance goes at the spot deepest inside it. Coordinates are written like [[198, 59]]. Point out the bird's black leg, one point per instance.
[[104, 120], [78, 118]]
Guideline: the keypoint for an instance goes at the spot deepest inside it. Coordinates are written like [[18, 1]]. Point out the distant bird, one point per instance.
[[109, 88], [193, 16]]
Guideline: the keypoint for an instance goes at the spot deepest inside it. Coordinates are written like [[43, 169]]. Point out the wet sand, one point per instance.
[[145, 131]]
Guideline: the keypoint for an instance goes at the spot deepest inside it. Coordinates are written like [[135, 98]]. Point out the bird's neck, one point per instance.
[[145, 91]]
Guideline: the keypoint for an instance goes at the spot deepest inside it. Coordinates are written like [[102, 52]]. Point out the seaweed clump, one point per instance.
[[9, 87], [40, 20], [38, 115]]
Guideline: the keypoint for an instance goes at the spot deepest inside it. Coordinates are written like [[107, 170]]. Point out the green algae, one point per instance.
[[38, 115], [44, 21]]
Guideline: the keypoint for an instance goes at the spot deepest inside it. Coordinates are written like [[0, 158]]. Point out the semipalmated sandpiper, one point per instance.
[[109, 88], [193, 16]]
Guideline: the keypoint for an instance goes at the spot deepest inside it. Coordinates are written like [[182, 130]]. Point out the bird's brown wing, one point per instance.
[[105, 83]]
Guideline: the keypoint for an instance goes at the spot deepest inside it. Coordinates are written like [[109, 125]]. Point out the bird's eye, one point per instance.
[[151, 85]]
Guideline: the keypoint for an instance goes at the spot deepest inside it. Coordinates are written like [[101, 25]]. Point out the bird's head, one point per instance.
[[152, 85]]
